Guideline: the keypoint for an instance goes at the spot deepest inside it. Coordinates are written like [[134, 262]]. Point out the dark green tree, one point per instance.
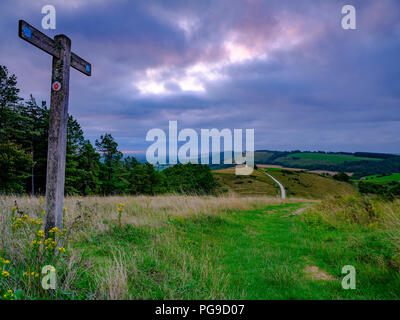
[[15, 166], [111, 171], [89, 163]]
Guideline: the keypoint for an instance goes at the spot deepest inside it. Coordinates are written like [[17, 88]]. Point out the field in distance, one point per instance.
[[309, 158], [382, 179]]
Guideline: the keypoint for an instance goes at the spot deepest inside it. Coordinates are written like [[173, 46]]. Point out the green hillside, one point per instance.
[[328, 158], [310, 185], [319, 160], [382, 179], [256, 184], [297, 184]]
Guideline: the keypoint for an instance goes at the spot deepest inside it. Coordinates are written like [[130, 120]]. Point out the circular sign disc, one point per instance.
[[56, 86]]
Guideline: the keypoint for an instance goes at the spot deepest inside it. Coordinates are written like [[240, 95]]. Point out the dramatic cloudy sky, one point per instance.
[[285, 68]]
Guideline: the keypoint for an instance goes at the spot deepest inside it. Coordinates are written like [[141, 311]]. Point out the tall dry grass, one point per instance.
[[365, 212], [93, 214], [85, 217]]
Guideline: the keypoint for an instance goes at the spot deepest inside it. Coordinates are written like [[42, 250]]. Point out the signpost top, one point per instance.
[[63, 59], [45, 43]]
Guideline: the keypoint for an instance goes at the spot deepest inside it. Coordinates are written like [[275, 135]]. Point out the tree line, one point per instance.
[[99, 169]]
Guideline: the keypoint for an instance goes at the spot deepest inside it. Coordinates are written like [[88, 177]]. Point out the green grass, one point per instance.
[[323, 158], [383, 179], [188, 247], [255, 254], [297, 183]]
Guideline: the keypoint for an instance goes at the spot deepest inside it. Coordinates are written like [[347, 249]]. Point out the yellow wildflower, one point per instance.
[[55, 229], [5, 274], [41, 233], [35, 242], [61, 249]]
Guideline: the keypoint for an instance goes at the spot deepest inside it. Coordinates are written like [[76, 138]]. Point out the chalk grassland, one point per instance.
[[382, 179], [255, 184], [297, 183], [180, 247], [311, 185], [308, 158]]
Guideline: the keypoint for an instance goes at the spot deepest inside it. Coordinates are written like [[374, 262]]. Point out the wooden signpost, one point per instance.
[[63, 59]]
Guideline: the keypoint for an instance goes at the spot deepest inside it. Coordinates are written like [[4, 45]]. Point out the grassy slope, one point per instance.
[[310, 185], [297, 184], [383, 179], [255, 184], [256, 254]]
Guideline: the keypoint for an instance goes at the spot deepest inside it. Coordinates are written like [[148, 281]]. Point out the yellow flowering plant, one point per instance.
[[120, 210], [38, 251]]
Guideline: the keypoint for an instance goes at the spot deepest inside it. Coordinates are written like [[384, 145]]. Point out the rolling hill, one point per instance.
[[297, 184], [311, 185], [256, 184]]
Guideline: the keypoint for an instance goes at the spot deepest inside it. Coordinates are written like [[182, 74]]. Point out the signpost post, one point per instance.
[[63, 59]]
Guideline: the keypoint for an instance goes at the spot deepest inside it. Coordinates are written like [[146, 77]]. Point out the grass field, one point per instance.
[[382, 179], [177, 247], [307, 158], [255, 184], [310, 185], [297, 184]]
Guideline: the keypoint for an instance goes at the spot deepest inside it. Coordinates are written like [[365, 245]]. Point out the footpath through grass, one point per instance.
[[256, 254]]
